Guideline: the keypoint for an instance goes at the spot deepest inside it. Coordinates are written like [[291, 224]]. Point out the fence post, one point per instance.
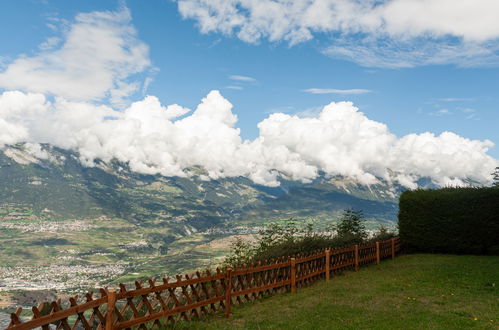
[[356, 249], [111, 302], [328, 259], [293, 275], [228, 290], [378, 257], [393, 248]]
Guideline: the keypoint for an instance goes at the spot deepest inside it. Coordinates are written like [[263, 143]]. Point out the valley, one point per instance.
[[68, 228]]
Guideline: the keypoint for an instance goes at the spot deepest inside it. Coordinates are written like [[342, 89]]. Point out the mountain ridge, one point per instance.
[[57, 214]]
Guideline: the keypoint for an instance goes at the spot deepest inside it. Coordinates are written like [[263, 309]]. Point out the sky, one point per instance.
[[258, 88]]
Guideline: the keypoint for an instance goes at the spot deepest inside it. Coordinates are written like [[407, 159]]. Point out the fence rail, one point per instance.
[[157, 305]]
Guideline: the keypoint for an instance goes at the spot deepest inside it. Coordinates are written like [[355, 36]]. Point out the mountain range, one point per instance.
[[112, 224]]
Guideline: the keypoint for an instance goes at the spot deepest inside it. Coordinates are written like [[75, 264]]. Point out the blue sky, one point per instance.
[[290, 72]]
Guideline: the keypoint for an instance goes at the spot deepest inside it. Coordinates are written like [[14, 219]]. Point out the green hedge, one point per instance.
[[450, 220]]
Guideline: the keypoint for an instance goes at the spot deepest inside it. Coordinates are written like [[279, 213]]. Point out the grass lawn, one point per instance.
[[420, 291]]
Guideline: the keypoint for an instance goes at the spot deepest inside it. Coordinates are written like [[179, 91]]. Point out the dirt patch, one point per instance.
[[6, 301], [31, 298]]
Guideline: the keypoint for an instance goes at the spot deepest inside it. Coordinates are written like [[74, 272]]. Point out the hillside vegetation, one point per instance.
[[421, 291]]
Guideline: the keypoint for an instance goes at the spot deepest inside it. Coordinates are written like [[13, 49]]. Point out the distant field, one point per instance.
[[413, 292]]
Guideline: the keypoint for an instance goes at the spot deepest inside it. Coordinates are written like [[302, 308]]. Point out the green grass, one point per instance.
[[413, 292]]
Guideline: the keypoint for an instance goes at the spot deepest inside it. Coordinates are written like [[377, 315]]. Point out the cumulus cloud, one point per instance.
[[98, 56], [95, 59], [386, 33], [171, 140]]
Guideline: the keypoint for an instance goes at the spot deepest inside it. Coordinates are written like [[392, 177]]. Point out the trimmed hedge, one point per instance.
[[450, 220]]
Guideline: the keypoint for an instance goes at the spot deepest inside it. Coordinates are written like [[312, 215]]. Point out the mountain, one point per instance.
[[105, 222]]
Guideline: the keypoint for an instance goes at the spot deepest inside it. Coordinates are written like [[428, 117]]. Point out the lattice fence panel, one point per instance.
[[261, 279], [79, 312], [161, 304], [385, 249], [310, 267], [397, 245], [342, 259], [367, 254]]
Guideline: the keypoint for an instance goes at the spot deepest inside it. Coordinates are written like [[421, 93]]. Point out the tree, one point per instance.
[[241, 252], [352, 226], [495, 176], [382, 234]]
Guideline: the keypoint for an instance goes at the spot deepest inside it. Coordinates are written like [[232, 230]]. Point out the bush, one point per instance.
[[383, 234], [291, 237], [450, 220], [277, 240], [241, 253], [351, 227]]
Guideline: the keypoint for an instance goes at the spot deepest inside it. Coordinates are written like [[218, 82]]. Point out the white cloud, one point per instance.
[[50, 43], [145, 85], [308, 113], [95, 59], [100, 53], [242, 78], [336, 91], [234, 87], [473, 20], [456, 99], [152, 138], [375, 33], [381, 52], [472, 116], [441, 112]]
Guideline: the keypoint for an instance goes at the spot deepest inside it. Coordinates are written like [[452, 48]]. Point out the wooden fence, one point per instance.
[[157, 305]]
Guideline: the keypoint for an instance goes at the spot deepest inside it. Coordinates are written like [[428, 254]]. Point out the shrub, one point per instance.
[[382, 234], [351, 227], [291, 237], [450, 220], [495, 176], [241, 253]]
